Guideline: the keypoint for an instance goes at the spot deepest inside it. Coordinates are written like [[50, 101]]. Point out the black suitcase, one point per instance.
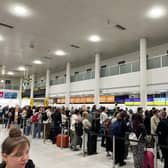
[[92, 143]]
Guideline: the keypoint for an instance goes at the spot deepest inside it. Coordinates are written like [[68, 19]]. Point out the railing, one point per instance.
[[83, 76], [40, 84], [57, 81], [10, 87], [153, 62]]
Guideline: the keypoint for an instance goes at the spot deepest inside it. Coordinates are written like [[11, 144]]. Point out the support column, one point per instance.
[[143, 72], [32, 87], [67, 96], [47, 83], [97, 80], [20, 91]]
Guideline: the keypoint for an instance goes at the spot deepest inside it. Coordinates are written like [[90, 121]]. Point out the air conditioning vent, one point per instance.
[[6, 25], [120, 27], [74, 46], [122, 62], [47, 58]]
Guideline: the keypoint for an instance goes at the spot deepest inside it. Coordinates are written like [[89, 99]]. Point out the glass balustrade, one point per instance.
[[9, 87], [154, 62], [164, 60], [125, 68], [57, 81]]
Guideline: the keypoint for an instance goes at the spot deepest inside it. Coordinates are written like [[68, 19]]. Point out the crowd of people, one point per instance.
[[85, 125]]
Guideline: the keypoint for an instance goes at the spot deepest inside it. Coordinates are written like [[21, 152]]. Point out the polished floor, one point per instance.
[[48, 155]]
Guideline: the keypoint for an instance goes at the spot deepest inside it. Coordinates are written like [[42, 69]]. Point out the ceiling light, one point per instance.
[[2, 81], [10, 73], [1, 38], [21, 68], [156, 12], [94, 38], [37, 62], [19, 10], [3, 70], [60, 53]]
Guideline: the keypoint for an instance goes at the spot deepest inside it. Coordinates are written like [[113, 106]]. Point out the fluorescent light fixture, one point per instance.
[[156, 12], [1, 38], [21, 68], [60, 53], [94, 38], [37, 62], [2, 81], [3, 71], [10, 73], [19, 10]]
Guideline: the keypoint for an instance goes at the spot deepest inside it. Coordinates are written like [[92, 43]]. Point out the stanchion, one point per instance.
[[3, 122], [155, 151], [24, 131], [44, 135], [113, 155], [84, 141], [62, 133]]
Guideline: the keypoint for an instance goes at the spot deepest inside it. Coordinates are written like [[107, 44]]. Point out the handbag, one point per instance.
[[133, 139]]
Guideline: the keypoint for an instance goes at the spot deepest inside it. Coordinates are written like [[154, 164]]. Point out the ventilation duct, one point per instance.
[[6, 25], [120, 27]]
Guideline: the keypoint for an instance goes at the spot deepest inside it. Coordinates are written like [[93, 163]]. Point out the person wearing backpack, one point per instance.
[[36, 120]]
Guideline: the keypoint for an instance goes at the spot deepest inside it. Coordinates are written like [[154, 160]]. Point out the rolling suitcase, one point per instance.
[[62, 141]]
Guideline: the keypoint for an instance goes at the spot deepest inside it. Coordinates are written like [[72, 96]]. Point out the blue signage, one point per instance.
[[10, 95]]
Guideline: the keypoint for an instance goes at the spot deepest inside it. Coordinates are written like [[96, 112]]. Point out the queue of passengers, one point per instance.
[[96, 123]]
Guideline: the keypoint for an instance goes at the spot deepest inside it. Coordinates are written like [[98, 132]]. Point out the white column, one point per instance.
[[97, 80], [143, 72], [67, 96], [20, 91], [32, 87], [47, 83]]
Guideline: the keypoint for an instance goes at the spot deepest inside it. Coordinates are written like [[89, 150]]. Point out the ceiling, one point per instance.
[[56, 24]]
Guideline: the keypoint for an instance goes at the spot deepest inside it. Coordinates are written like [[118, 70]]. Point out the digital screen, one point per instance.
[[10, 95]]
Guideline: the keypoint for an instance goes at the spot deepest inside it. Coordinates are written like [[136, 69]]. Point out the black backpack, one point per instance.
[[79, 128]]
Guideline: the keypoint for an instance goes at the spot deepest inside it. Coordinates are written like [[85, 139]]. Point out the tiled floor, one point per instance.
[[48, 155]]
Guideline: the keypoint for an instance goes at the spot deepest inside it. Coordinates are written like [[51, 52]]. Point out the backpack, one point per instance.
[[44, 116], [116, 128], [79, 128], [35, 118]]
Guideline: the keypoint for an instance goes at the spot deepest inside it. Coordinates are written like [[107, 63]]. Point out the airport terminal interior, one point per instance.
[[86, 81]]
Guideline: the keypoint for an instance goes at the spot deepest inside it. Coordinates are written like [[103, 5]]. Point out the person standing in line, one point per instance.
[[15, 151], [162, 131], [140, 132], [155, 121], [86, 128], [103, 117]]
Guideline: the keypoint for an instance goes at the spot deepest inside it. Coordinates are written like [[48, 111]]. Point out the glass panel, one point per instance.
[[72, 78], [114, 70], [125, 68], [103, 72], [51, 82], [153, 63], [93, 74], [135, 67], [164, 60], [80, 76]]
